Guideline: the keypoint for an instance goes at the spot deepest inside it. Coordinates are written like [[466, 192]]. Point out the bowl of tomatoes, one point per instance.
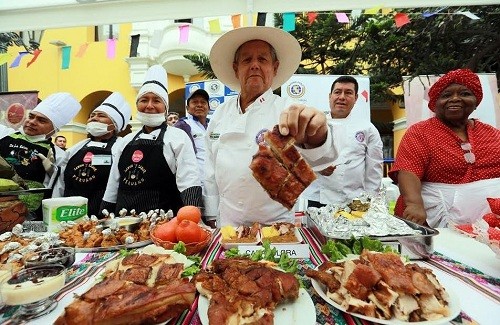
[[185, 227]]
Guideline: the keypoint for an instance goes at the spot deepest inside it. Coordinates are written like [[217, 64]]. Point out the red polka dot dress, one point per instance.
[[434, 153]]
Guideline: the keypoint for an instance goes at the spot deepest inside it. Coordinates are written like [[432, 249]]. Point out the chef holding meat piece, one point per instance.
[[254, 61]]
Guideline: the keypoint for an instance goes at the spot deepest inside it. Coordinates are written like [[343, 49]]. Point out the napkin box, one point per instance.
[[60, 209]]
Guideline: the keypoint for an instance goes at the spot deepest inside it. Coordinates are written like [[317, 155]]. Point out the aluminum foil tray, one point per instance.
[[416, 245]]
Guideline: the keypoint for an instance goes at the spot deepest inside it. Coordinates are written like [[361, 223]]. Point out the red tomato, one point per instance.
[[188, 232], [166, 231], [189, 212]]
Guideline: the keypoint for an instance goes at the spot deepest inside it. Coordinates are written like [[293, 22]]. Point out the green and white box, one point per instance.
[[60, 209]]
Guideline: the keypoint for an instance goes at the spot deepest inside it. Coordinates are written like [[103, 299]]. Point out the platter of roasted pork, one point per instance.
[[381, 288], [242, 291]]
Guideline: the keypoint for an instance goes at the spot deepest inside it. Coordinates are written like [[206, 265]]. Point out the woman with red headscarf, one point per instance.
[[447, 165]]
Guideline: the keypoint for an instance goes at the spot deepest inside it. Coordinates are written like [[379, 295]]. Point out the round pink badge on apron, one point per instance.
[[137, 156]]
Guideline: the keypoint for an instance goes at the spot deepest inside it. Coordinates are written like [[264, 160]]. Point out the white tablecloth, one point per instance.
[[482, 308]]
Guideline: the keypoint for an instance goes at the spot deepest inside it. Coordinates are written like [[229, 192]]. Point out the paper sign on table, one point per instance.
[[293, 250]]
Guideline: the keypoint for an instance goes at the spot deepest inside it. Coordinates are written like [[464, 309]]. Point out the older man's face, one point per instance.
[[37, 124], [255, 68]]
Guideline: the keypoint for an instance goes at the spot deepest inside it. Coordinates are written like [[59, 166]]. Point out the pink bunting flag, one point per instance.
[[342, 17], [401, 19], [364, 93], [17, 60], [311, 17], [36, 53], [111, 48], [183, 34], [82, 50]]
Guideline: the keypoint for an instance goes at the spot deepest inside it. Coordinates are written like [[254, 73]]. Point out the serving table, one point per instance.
[[467, 267]]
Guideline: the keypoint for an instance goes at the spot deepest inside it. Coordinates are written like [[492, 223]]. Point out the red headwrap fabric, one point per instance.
[[461, 76]]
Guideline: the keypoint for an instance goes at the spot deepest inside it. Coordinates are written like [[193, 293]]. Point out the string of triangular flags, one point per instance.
[[65, 54], [400, 19]]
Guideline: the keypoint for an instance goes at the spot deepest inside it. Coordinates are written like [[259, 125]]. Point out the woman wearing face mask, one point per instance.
[[156, 166], [88, 163]]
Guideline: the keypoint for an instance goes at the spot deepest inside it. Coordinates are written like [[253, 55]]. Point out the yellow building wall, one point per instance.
[[90, 78]]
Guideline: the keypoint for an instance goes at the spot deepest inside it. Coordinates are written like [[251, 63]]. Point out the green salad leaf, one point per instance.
[[339, 249], [180, 248]]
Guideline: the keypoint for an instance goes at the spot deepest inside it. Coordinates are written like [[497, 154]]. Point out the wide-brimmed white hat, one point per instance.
[[117, 109], [155, 81], [287, 50], [60, 108]]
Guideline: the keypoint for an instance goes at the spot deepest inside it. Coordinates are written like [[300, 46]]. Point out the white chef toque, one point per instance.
[[155, 82], [117, 109], [59, 108]]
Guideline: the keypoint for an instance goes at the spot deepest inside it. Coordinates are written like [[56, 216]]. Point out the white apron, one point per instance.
[[458, 203]]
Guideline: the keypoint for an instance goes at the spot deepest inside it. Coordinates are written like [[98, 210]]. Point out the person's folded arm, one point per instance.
[[410, 187]]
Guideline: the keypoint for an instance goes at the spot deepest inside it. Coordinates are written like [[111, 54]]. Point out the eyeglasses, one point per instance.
[[469, 156]]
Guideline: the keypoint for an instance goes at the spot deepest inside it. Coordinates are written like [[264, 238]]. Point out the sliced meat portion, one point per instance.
[[137, 274], [167, 272], [280, 169]]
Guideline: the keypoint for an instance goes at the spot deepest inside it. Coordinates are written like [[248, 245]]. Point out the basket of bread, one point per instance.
[[182, 228]]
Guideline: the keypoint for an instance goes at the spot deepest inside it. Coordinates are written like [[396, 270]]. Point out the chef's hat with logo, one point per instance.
[[59, 108], [117, 109], [155, 82]]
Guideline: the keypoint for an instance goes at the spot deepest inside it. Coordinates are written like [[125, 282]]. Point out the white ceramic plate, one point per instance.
[[298, 241], [454, 309], [299, 312]]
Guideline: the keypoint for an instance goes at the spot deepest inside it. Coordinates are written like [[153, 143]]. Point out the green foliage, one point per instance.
[[202, 63], [372, 45]]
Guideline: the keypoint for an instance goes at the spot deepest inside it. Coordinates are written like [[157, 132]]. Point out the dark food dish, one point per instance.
[[280, 168], [64, 256]]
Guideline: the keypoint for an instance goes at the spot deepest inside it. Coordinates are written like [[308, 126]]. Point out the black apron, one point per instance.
[[22, 155], [83, 178], [146, 181]]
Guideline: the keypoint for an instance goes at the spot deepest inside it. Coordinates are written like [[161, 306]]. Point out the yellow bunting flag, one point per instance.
[[214, 26], [372, 11], [386, 11], [4, 58]]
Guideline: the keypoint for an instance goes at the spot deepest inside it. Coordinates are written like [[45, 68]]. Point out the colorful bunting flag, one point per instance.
[[36, 53], [386, 11], [401, 19], [17, 60], [261, 19], [111, 48], [342, 17], [236, 20], [82, 50], [214, 26], [372, 11], [66, 57], [4, 58], [311, 17], [289, 21], [183, 34], [156, 39], [364, 93], [469, 15], [355, 13]]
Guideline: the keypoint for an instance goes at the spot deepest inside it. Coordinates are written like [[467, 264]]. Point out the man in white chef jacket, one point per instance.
[[359, 166], [254, 61]]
